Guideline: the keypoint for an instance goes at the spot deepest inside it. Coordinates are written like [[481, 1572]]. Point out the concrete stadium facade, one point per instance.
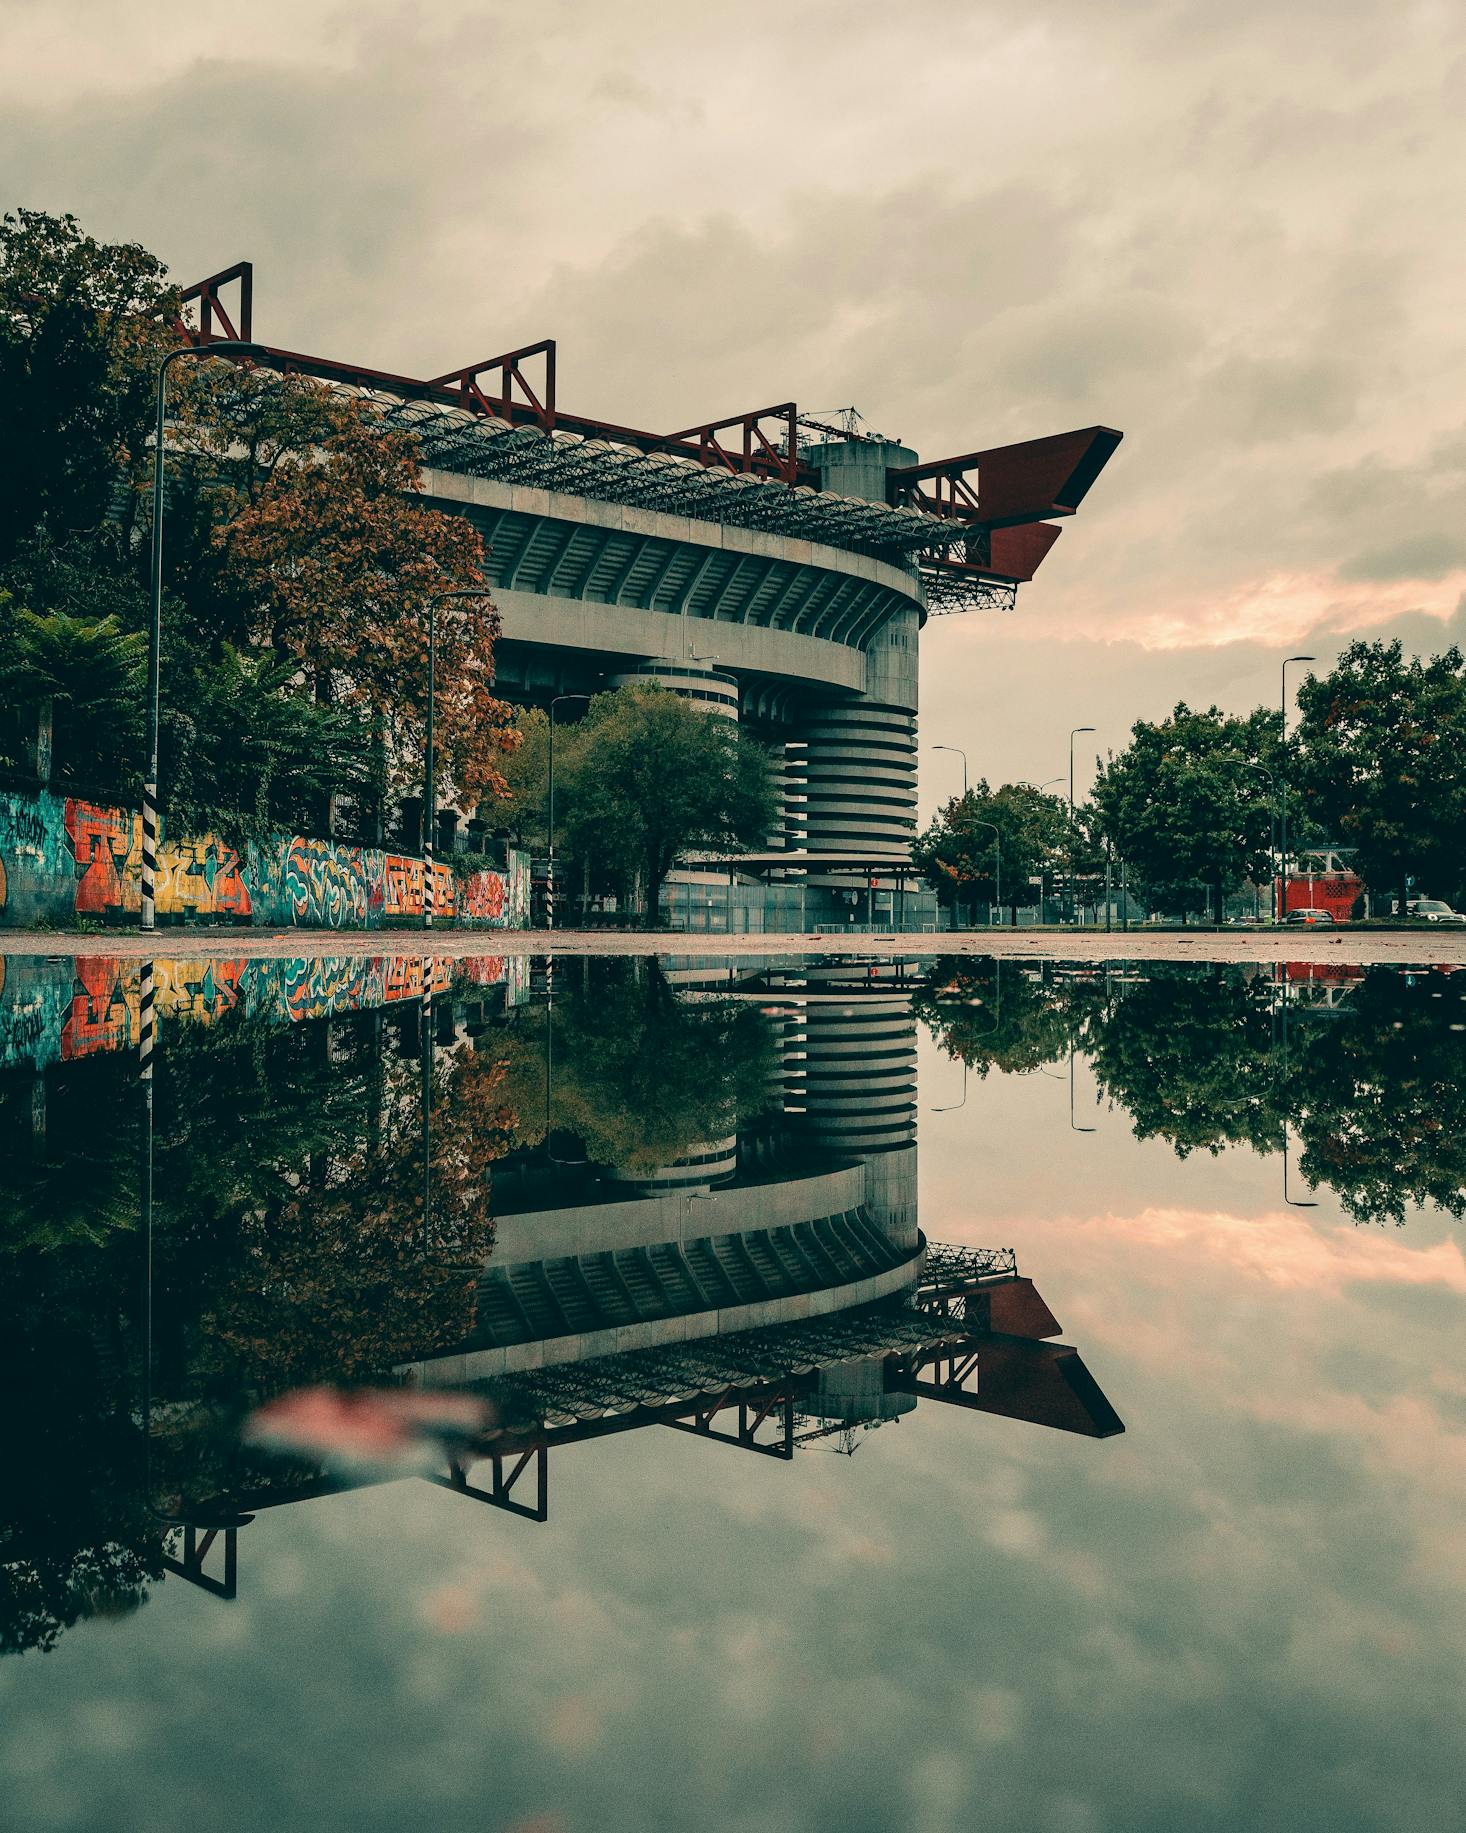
[[812, 647]]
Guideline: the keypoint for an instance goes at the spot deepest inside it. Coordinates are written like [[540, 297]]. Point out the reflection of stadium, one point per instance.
[[769, 1293]]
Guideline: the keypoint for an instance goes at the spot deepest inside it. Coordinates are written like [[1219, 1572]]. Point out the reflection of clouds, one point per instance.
[[1285, 1249], [1245, 1613]]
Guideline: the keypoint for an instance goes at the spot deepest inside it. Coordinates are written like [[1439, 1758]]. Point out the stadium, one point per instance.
[[777, 569]]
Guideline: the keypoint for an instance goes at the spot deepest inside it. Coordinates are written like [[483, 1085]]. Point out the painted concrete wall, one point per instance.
[[61, 858]]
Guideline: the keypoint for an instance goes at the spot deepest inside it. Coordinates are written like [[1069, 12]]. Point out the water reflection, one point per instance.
[[584, 1200], [1357, 1081]]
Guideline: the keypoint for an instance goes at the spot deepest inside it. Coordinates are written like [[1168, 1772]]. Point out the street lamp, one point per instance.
[[225, 347], [1072, 736], [963, 755], [430, 796], [1283, 797], [550, 862]]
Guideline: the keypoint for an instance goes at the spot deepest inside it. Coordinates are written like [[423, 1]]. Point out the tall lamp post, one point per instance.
[[430, 794], [550, 817], [963, 755], [225, 347], [1283, 797], [1072, 736]]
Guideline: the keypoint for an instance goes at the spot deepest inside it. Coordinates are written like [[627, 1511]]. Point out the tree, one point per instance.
[[653, 775], [83, 326], [957, 856], [1181, 804], [91, 672], [298, 535], [1382, 764], [300, 557]]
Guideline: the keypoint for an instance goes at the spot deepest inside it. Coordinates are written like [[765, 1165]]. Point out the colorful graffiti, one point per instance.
[[62, 858], [326, 885], [59, 1009], [484, 895]]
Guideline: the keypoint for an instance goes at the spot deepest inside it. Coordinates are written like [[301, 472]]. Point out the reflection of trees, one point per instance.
[[77, 1181], [288, 1240], [1378, 1097], [75, 1540], [642, 1075], [287, 1245], [1204, 1056], [992, 1015], [1190, 1055]]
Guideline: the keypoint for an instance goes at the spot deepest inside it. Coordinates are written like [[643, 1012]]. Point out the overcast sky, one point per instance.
[[1233, 232]]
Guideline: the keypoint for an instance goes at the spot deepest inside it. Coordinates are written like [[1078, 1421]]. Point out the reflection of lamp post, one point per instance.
[[1283, 765], [550, 863], [225, 347], [1073, 1127], [550, 1066], [430, 793], [952, 1106], [427, 1053], [1295, 1202]]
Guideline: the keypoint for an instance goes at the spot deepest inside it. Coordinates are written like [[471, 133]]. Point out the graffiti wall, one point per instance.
[[58, 1009], [62, 858]]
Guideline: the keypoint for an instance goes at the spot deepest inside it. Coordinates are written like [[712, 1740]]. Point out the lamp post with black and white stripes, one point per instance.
[[224, 347]]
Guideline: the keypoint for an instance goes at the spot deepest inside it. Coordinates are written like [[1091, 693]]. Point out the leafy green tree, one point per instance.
[[652, 776], [91, 672], [957, 856], [1182, 805], [521, 813], [300, 556], [83, 326], [1382, 763]]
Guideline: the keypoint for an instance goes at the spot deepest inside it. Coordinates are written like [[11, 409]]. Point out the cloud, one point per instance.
[[1223, 230]]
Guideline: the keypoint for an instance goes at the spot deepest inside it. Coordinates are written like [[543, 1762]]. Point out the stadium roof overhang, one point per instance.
[[974, 527]]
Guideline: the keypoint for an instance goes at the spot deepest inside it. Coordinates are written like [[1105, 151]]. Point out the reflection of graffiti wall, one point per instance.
[[56, 1009], [62, 858]]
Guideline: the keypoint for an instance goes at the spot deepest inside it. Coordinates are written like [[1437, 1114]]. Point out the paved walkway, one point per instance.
[[1427, 947]]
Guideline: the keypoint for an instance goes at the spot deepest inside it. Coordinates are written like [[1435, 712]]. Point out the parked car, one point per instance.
[[1432, 910], [1323, 917]]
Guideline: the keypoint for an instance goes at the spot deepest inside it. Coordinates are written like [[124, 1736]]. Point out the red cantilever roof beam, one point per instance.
[[1027, 482]]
